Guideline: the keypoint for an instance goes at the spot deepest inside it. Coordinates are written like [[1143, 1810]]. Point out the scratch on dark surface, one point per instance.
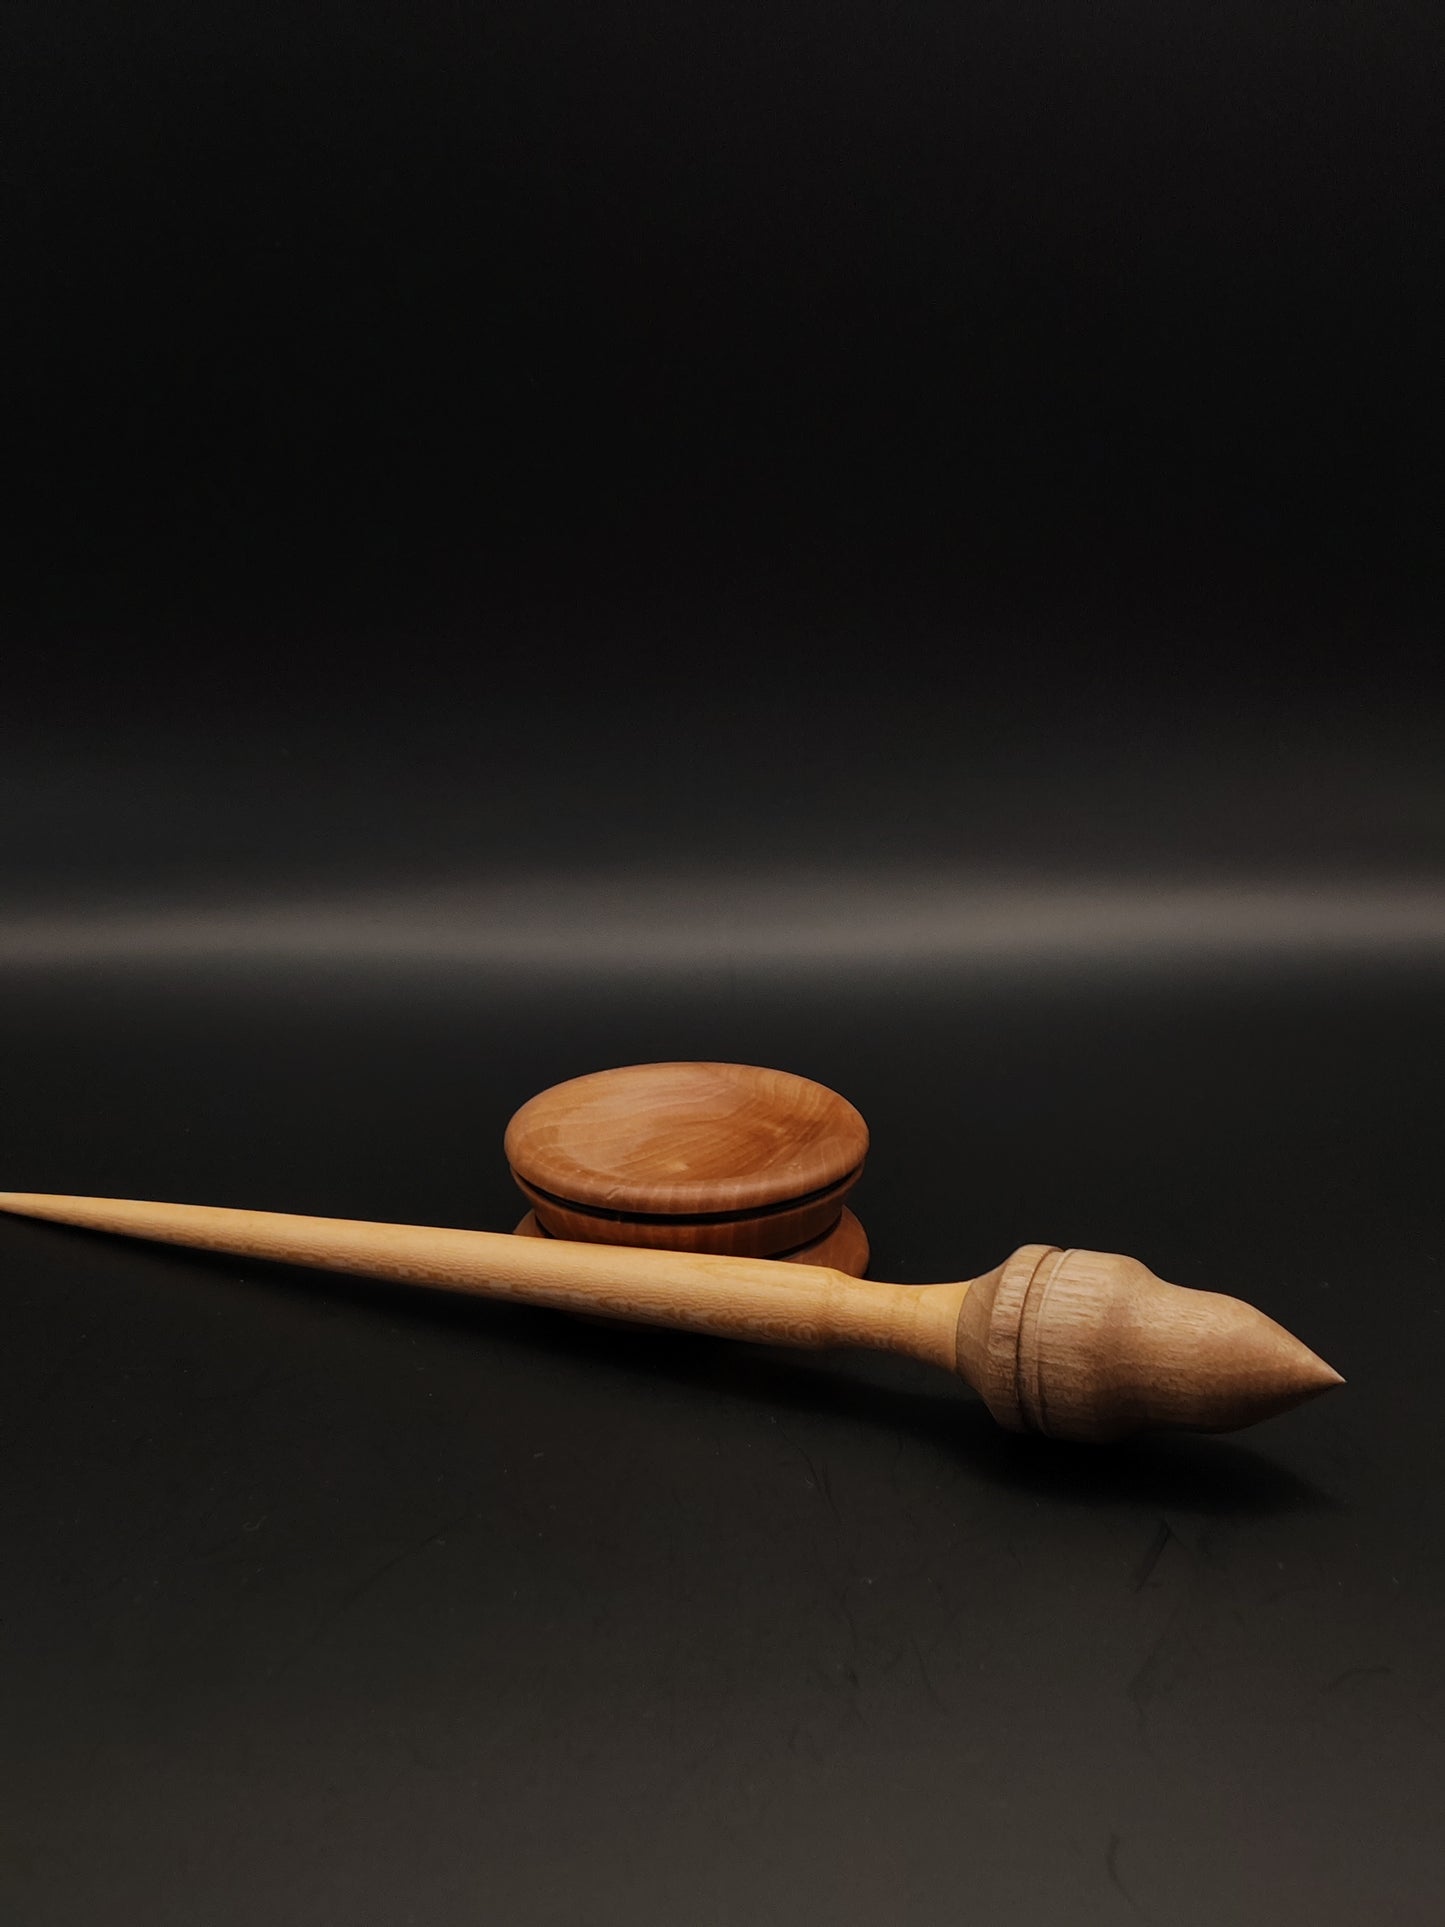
[[359, 1591], [927, 1677], [1356, 1672], [847, 1612], [818, 1480], [828, 1495], [43, 1398], [1111, 1864], [1150, 1678], [1153, 1553], [1146, 1678]]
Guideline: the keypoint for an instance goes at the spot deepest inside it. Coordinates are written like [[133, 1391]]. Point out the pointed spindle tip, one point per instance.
[[1090, 1345]]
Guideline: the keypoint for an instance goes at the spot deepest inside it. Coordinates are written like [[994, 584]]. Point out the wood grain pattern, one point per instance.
[[842, 1247], [754, 1235], [723, 1158], [1073, 1344], [686, 1139]]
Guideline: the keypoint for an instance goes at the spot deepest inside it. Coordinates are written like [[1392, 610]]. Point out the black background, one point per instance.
[[901, 544]]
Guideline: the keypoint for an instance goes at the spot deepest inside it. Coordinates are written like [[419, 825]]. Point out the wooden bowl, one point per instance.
[[726, 1158]]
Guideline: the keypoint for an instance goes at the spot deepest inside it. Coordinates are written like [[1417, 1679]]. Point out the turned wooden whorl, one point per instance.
[[844, 1248], [724, 1158]]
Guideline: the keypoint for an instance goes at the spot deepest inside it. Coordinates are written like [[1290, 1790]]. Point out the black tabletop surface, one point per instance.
[[327, 1601]]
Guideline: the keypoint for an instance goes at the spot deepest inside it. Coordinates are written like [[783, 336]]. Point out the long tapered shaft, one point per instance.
[[751, 1298], [1070, 1343]]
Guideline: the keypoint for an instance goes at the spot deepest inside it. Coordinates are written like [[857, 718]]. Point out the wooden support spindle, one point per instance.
[[1072, 1344]]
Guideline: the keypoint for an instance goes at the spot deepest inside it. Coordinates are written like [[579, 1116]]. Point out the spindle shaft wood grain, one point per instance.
[[1074, 1344]]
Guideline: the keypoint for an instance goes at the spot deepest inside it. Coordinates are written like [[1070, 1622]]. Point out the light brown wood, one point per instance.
[[681, 1139], [842, 1247], [759, 1236], [692, 1156], [1073, 1344]]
